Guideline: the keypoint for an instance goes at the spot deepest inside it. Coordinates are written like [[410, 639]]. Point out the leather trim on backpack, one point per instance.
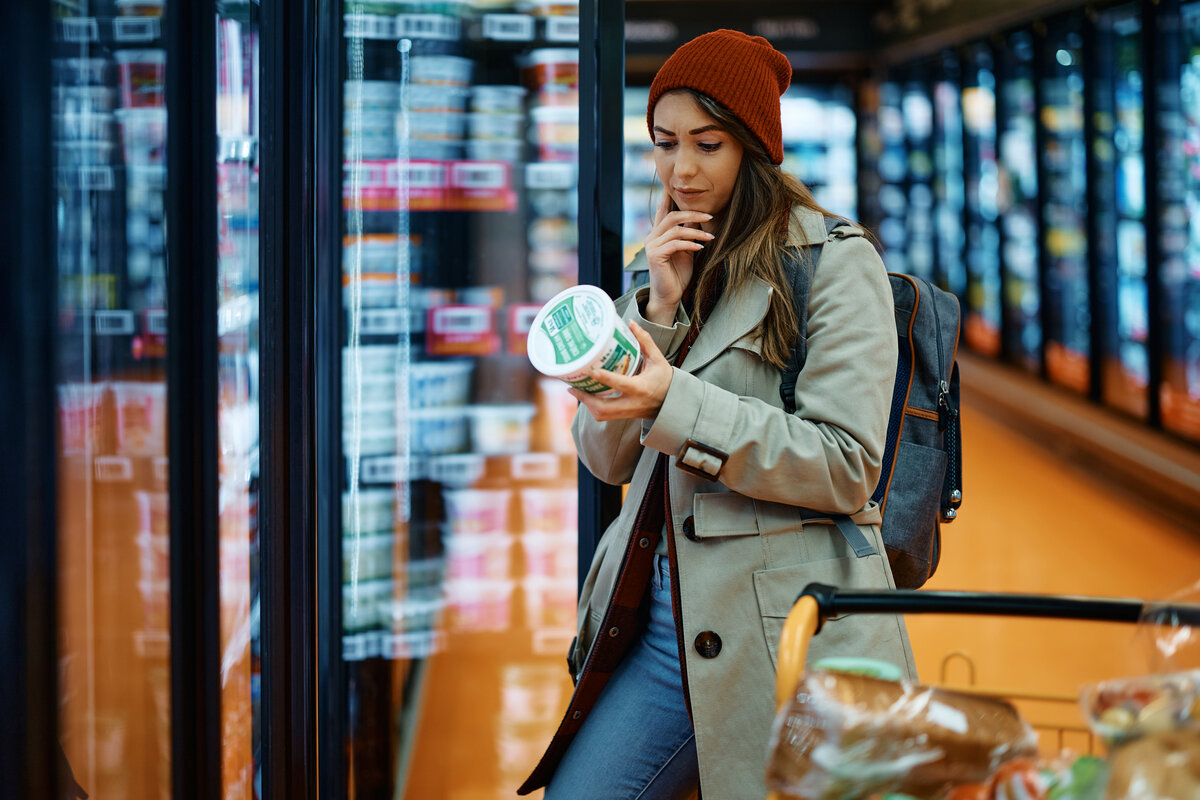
[[921, 412]]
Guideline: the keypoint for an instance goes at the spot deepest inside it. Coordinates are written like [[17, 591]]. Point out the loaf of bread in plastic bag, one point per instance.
[[845, 735]]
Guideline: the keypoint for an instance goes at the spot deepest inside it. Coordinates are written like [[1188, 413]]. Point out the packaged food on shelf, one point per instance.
[[366, 558], [84, 125], [434, 431], [479, 605], [80, 420], [478, 557], [549, 555], [507, 150], [556, 8], [364, 603], [433, 125], [501, 429], [440, 70], [80, 71], [497, 99], [550, 509], [140, 8], [477, 511], [495, 125], [557, 130], [143, 77], [437, 384], [154, 557], [552, 70], [82, 99], [368, 359], [371, 290], [556, 409], [141, 417], [370, 96], [156, 605], [143, 135], [73, 154], [550, 602], [458, 470], [434, 99], [368, 511]]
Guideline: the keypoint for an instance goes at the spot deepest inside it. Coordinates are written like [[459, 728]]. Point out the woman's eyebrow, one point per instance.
[[663, 130], [705, 129]]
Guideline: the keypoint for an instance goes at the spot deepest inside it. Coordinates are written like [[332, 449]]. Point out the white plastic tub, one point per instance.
[[550, 510], [441, 70], [477, 511], [507, 150], [578, 330], [501, 429], [495, 126], [497, 99]]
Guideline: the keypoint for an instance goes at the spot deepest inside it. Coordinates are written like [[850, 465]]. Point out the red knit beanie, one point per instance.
[[743, 73]]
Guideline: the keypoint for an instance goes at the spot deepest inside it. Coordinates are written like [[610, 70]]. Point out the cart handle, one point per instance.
[[819, 602]]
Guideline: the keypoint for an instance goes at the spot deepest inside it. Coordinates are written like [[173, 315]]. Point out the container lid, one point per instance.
[[854, 665], [570, 330], [127, 56]]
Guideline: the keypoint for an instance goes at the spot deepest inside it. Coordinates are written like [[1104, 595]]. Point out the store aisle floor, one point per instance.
[[1031, 521]]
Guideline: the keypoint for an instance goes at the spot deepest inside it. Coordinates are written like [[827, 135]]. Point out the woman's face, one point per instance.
[[696, 161]]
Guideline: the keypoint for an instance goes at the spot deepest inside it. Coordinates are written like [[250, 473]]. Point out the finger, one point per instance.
[[679, 218], [664, 207], [649, 347]]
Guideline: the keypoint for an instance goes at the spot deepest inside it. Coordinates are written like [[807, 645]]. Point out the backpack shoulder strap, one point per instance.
[[800, 266]]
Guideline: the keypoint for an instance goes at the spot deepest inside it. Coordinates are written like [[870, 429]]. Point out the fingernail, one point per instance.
[[708, 216]]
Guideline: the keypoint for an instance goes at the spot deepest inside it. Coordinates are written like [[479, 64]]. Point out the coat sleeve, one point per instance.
[[827, 455], [610, 450]]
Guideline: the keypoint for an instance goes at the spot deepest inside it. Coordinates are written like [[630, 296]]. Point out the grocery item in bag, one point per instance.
[[579, 330], [848, 735]]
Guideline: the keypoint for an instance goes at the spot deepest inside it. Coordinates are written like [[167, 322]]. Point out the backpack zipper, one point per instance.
[[943, 404]]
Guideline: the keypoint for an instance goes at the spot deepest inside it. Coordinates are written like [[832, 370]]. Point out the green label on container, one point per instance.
[[572, 326]]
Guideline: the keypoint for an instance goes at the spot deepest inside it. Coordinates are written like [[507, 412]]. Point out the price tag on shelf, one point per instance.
[[383, 321], [369, 26], [460, 330], [520, 320], [562, 29], [420, 174], [428, 26], [382, 469], [81, 29], [114, 323], [508, 27], [156, 322], [534, 466], [92, 179], [113, 469], [479, 175], [550, 175], [355, 646], [136, 29], [481, 186]]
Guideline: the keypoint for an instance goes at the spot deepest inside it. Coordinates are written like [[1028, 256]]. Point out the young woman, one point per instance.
[[683, 606]]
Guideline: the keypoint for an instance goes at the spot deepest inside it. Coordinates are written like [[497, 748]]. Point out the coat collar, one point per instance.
[[736, 314]]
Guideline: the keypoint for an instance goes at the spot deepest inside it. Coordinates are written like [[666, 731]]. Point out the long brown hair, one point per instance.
[[751, 234]]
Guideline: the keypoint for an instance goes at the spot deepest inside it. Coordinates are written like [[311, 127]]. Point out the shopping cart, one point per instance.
[[819, 602]]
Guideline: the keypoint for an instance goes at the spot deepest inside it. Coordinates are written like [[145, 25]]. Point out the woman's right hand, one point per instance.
[[676, 235]]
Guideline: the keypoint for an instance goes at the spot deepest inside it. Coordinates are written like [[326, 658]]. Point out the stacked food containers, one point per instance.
[[458, 537]]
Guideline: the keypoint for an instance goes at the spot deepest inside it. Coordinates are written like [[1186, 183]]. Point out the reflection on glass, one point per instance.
[[1120, 240], [237, 116], [1179, 182], [948, 177], [460, 140], [892, 170], [916, 108], [109, 136], [1017, 203], [981, 323], [1064, 206]]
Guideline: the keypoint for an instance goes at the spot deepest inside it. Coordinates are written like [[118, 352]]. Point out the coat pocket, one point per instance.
[[875, 635]]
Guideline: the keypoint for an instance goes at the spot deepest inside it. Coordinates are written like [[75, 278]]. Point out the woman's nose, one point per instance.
[[685, 163]]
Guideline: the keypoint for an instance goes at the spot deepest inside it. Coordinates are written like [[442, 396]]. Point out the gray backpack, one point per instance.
[[921, 483]]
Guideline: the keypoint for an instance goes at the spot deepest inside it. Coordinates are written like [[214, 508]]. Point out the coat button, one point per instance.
[[708, 644], [577, 715], [614, 632], [689, 529], [643, 542]]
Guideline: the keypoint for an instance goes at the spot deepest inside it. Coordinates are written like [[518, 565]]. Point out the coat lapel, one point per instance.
[[736, 314]]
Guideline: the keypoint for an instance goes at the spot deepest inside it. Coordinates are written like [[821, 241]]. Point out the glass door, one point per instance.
[[460, 139], [982, 316], [917, 116], [109, 128], [948, 183], [1179, 175], [1017, 201], [891, 205], [237, 181], [1119, 193]]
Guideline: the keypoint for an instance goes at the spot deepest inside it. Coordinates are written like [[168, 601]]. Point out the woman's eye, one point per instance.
[[664, 145], [710, 147]]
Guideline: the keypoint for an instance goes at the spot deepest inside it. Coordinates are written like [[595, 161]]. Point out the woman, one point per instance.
[[675, 681]]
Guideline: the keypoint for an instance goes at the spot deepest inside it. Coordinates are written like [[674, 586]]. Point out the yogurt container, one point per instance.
[[578, 330]]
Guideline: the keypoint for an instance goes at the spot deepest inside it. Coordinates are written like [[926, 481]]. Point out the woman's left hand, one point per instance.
[[642, 395]]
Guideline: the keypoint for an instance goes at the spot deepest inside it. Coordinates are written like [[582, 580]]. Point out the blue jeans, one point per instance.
[[637, 743]]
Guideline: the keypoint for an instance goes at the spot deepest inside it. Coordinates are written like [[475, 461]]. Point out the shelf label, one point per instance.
[[94, 179], [550, 175], [382, 321], [411, 645], [136, 29], [562, 29], [382, 469], [156, 322], [481, 186], [534, 466], [113, 469], [369, 26], [428, 26], [114, 323], [81, 29], [508, 27], [520, 320], [479, 175], [461, 330], [420, 174]]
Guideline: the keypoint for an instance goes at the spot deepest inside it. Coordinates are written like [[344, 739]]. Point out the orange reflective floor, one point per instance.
[[1030, 522]]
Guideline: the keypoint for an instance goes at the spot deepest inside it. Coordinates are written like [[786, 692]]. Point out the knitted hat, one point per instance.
[[743, 73]]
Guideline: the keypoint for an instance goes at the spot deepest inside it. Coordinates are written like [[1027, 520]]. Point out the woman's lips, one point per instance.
[[689, 192]]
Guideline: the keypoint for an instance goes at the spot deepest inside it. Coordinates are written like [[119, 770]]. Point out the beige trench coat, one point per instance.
[[742, 552]]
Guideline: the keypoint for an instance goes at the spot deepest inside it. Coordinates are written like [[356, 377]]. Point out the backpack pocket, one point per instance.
[[910, 516]]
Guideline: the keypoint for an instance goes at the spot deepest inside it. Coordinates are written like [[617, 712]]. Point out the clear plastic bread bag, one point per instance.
[[848, 736]]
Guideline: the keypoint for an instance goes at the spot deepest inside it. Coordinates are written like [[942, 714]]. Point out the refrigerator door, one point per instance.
[[1064, 205], [1179, 177], [1119, 209], [917, 119], [237, 213], [460, 138], [982, 317], [1017, 201], [948, 183], [109, 127]]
